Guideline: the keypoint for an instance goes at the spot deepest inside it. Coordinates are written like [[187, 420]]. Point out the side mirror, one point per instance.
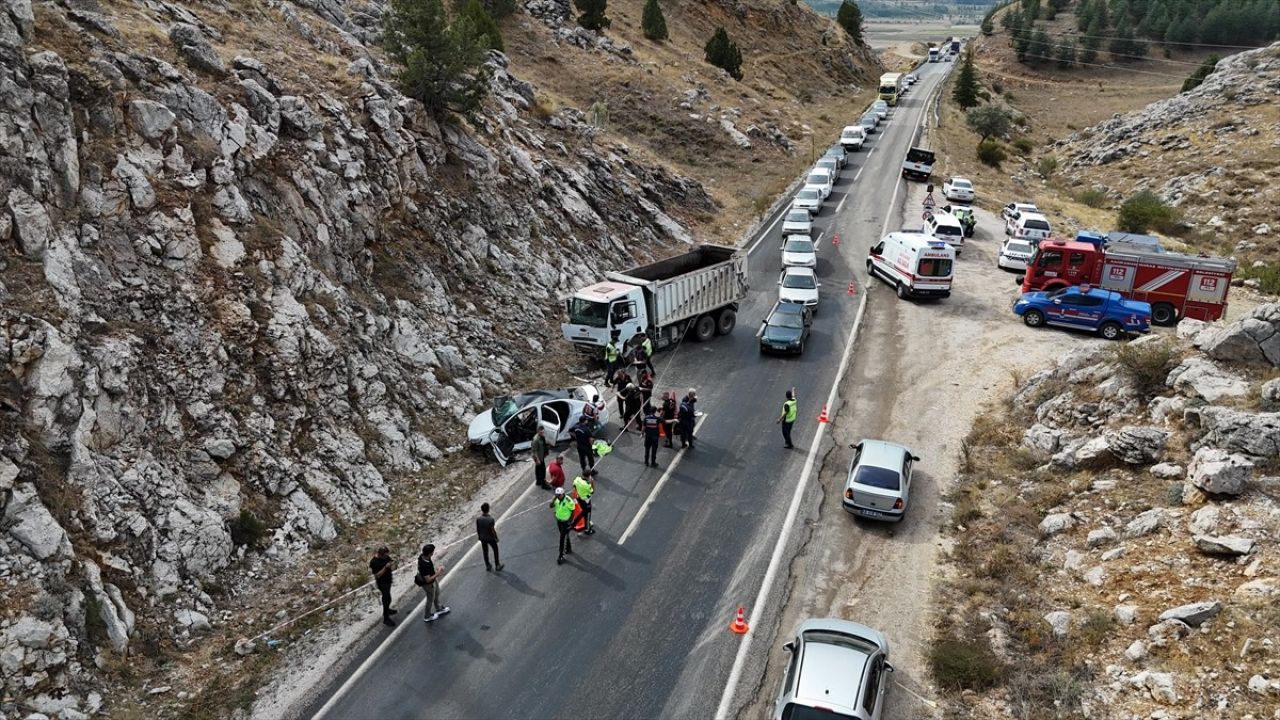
[[1057, 301], [779, 282], [888, 667], [789, 646], [1019, 279], [915, 458]]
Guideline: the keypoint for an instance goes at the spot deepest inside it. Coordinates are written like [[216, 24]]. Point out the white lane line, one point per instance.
[[858, 175], [871, 152], [775, 561], [818, 240], [765, 234], [846, 196], [411, 619], [653, 495]]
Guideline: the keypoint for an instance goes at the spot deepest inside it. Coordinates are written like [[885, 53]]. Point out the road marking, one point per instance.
[[846, 196], [766, 232], [872, 152], [859, 174], [818, 240], [775, 561], [653, 495]]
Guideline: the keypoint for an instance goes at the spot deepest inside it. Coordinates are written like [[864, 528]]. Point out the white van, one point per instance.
[[852, 138], [1031, 227], [915, 264], [947, 228]]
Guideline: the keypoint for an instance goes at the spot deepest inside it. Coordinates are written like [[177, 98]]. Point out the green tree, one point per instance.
[[441, 63], [965, 92], [487, 31], [1183, 30], [499, 9], [1022, 41], [989, 121], [1155, 22], [1123, 47], [988, 25], [652, 22], [1040, 48], [724, 53], [1066, 54], [1205, 70], [849, 17], [1084, 15], [1145, 210], [592, 17], [1011, 19]]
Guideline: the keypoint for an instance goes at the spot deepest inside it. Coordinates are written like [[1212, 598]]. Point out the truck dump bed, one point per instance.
[[697, 282]]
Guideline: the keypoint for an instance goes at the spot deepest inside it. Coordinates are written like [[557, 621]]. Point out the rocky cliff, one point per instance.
[[245, 287]]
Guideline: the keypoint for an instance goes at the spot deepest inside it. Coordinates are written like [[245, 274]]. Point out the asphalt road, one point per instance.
[[639, 629]]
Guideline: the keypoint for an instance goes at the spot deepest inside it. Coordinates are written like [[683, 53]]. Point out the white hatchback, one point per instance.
[[808, 199], [958, 189], [797, 222], [799, 285], [819, 179], [799, 251]]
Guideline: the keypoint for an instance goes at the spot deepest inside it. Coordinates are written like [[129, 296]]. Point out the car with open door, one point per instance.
[[509, 425]]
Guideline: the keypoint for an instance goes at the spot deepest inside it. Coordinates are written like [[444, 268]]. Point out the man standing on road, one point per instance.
[[581, 434], [670, 412], [487, 534], [585, 489], [788, 417], [539, 451], [430, 581], [556, 470], [651, 425], [563, 507], [610, 359], [381, 566], [687, 414]]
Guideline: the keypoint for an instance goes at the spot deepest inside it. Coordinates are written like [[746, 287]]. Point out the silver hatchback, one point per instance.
[[879, 482], [838, 671]]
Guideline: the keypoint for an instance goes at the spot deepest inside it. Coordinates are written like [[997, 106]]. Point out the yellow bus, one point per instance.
[[890, 87]]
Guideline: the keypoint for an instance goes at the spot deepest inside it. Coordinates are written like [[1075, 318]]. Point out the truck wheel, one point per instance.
[[727, 321], [704, 328], [1164, 314], [1033, 318], [1111, 331], [902, 291]]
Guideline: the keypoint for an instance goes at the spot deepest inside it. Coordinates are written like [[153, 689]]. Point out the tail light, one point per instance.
[[848, 493], [898, 505]]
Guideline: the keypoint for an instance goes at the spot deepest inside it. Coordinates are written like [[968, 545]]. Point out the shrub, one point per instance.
[[1024, 146], [724, 53], [1047, 166], [1205, 70], [247, 529], [964, 664], [653, 23], [1268, 277], [1147, 364], [487, 31], [1144, 210], [1092, 197], [989, 121], [442, 63], [592, 17], [990, 153]]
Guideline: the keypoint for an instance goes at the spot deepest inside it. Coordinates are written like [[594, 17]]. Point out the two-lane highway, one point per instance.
[[639, 628]]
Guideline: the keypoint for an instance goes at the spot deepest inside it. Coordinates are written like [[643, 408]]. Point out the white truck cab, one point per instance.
[[915, 264]]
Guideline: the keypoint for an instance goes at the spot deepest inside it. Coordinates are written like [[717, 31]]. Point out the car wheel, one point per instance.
[[1033, 318], [727, 321], [801, 348], [704, 328], [1164, 314], [902, 291], [1111, 331]]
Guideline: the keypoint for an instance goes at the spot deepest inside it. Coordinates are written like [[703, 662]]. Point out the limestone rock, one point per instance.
[[30, 223], [1136, 651], [1239, 431], [1059, 622], [1199, 378], [1219, 472], [1204, 521], [1227, 545], [1101, 536], [1258, 589], [151, 119], [1158, 685], [197, 621], [1137, 445], [1056, 523], [1145, 523], [1193, 614], [31, 524], [195, 49], [1252, 339], [1166, 631], [1167, 471], [1126, 614]]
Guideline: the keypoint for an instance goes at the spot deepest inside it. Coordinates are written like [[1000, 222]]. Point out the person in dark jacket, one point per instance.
[[687, 414], [429, 577], [487, 534], [651, 424], [629, 398], [646, 388], [581, 434], [670, 413], [381, 566]]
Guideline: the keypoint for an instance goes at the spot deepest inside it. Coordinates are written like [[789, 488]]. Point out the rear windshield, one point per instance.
[[877, 477], [948, 230], [799, 712], [799, 246], [1037, 225], [852, 133], [1019, 247], [818, 179], [798, 216], [932, 267], [799, 281]]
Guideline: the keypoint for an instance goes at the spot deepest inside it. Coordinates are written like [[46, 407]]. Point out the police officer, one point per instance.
[[788, 417], [670, 409], [581, 434], [585, 489], [610, 358], [563, 507], [686, 415], [651, 424], [644, 352]]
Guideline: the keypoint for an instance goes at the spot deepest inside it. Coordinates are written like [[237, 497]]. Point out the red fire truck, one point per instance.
[[1176, 285]]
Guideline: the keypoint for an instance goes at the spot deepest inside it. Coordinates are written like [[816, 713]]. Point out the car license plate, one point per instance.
[[873, 514]]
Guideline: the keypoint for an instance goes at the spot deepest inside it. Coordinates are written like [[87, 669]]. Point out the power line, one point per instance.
[[1111, 67], [1124, 55]]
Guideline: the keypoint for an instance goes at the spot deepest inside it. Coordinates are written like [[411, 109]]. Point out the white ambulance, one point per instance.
[[915, 264]]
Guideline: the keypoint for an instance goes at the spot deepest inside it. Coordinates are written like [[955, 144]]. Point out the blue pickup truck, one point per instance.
[[1088, 308]]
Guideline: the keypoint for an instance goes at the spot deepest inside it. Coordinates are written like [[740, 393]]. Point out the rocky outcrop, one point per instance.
[[1255, 338], [1240, 431]]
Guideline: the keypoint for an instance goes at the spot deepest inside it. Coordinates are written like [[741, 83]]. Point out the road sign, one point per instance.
[[929, 201]]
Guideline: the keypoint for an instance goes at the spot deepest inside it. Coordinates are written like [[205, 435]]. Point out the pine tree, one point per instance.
[[442, 63], [1205, 70], [592, 17], [1011, 19], [499, 9], [988, 26], [1040, 49], [487, 32], [652, 21], [965, 92], [1084, 15], [1022, 43], [1066, 54], [849, 17], [1154, 22], [1122, 47], [1013, 26], [724, 53]]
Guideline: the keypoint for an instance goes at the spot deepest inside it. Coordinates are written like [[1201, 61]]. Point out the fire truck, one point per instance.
[[1175, 284]]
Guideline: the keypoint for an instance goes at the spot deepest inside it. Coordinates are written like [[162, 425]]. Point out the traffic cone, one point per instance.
[[739, 624], [822, 416], [579, 519], [851, 288], [835, 239]]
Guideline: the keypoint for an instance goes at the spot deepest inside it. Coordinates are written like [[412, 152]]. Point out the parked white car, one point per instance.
[[819, 179], [1013, 209], [852, 137], [947, 228], [1029, 226], [797, 222], [958, 189], [912, 79], [799, 285], [1015, 254], [808, 199], [799, 251], [836, 669]]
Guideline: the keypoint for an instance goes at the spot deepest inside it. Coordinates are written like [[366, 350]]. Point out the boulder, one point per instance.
[[1193, 614], [1204, 521], [1255, 338], [1167, 471], [1219, 472], [1056, 523], [151, 119], [8, 473], [1240, 431], [197, 621], [1166, 631], [1136, 445], [1259, 589], [1145, 523], [1136, 651], [31, 524], [245, 646], [1158, 685], [1270, 393], [297, 118], [1042, 438], [1059, 622], [1231, 545], [1101, 536], [195, 49], [1197, 377], [1126, 614], [30, 223]]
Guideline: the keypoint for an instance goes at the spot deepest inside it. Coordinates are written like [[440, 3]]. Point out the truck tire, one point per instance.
[[1164, 314], [726, 322], [1111, 330], [704, 328], [1033, 318]]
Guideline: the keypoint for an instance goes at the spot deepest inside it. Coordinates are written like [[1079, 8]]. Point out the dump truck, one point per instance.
[[694, 294]]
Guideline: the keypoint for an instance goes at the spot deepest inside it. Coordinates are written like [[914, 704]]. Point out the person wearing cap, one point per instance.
[[788, 417], [563, 506], [584, 488], [688, 411]]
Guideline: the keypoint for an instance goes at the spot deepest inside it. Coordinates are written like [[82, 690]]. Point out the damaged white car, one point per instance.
[[508, 427]]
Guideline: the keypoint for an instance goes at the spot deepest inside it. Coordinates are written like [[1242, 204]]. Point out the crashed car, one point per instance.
[[508, 427]]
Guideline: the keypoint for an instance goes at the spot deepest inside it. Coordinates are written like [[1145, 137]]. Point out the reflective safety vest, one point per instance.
[[564, 508], [648, 347], [789, 411], [611, 352], [583, 487]]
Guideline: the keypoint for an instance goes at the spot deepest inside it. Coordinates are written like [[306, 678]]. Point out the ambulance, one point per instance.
[[915, 264]]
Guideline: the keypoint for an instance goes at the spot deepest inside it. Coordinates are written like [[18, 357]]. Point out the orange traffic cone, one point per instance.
[[739, 624], [835, 239], [851, 288], [822, 416]]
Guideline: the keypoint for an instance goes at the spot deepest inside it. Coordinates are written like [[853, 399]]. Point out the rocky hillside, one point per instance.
[[1209, 152], [1113, 542]]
